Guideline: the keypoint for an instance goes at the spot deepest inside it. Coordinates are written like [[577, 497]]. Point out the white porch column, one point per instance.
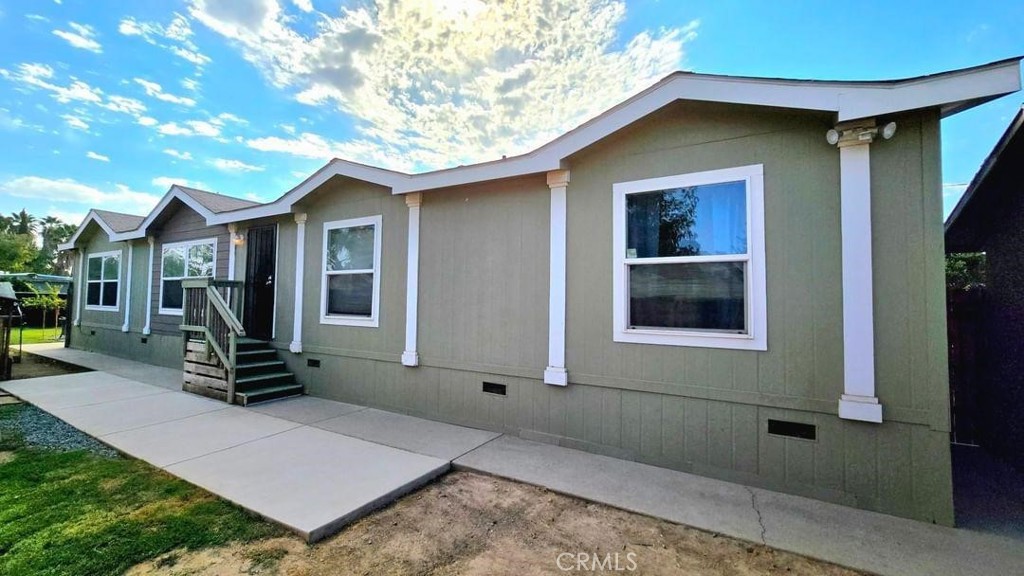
[[128, 288], [78, 289], [149, 286], [858, 401], [555, 373], [232, 230], [410, 357], [300, 259]]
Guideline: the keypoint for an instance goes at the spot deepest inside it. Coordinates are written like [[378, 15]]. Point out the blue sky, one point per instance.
[[105, 103]]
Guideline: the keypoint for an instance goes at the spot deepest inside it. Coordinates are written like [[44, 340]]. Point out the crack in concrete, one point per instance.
[[760, 519]]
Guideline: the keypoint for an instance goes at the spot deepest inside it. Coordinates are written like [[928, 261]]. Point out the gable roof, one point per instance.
[[949, 92], [1000, 174], [216, 203], [119, 221]]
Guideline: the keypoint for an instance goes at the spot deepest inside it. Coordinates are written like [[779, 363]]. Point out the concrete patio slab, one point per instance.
[[81, 389], [851, 537], [306, 409], [167, 378], [409, 433], [309, 479], [120, 415], [172, 442]]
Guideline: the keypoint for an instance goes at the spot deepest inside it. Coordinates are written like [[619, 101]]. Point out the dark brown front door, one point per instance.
[[260, 275]]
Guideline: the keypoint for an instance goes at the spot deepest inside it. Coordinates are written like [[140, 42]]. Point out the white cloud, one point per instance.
[[147, 121], [157, 91], [125, 105], [190, 84], [175, 37], [41, 76], [83, 37], [234, 166], [304, 5], [165, 182], [37, 17], [437, 83], [178, 154], [190, 128], [68, 217], [229, 117], [66, 190], [76, 122], [97, 156]]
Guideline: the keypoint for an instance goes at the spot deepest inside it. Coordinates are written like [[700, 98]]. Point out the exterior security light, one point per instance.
[[889, 130], [832, 136]]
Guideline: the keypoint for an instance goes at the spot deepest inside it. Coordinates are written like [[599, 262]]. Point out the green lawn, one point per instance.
[[35, 335], [77, 512]]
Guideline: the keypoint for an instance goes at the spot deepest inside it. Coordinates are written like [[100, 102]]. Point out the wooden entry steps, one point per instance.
[[259, 375]]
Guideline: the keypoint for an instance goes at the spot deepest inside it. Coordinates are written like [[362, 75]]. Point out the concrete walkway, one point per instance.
[[303, 461], [284, 460]]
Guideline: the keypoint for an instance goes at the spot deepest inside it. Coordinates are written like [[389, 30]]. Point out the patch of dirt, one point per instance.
[[5, 457], [479, 525], [33, 366]]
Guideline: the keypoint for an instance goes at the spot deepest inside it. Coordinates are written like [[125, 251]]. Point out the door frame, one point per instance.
[[248, 266]]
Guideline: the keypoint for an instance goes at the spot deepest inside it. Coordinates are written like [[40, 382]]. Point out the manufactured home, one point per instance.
[[736, 277]]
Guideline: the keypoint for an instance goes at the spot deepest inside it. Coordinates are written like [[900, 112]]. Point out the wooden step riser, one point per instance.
[[267, 383], [251, 399], [243, 371]]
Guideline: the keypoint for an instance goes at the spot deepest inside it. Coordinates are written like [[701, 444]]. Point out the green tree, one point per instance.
[[53, 232], [17, 252], [965, 270], [24, 223]]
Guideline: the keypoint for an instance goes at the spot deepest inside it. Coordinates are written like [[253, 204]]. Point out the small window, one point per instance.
[[193, 259], [103, 281], [689, 260], [350, 288]]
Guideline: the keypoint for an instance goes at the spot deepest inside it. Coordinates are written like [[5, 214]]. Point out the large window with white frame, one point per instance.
[[181, 260], [689, 260], [103, 281], [350, 281]]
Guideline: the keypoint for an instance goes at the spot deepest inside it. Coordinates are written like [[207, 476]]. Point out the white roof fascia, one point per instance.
[[954, 87], [849, 100], [173, 193], [92, 216]]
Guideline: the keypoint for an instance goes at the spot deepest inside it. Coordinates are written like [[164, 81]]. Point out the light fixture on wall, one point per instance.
[[859, 134], [237, 238]]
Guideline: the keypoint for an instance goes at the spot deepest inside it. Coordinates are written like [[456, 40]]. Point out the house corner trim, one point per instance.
[[410, 357], [300, 257], [556, 373], [146, 330], [78, 289], [128, 288], [859, 400]]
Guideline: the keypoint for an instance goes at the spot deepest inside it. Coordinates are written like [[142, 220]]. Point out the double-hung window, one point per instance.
[[181, 260], [689, 264], [103, 281], [350, 282]]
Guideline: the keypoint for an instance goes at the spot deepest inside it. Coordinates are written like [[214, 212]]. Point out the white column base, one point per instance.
[[863, 408], [556, 376], [78, 322], [124, 329], [410, 359], [146, 332], [295, 347]]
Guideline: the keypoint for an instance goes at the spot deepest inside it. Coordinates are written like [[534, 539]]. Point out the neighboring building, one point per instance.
[[990, 218], [695, 279]]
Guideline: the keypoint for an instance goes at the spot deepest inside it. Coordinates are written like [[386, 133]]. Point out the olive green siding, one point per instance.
[[483, 313]]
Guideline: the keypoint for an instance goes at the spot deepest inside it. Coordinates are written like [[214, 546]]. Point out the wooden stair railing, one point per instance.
[[210, 313]]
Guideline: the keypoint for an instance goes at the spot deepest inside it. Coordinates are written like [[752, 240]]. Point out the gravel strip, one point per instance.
[[42, 430]]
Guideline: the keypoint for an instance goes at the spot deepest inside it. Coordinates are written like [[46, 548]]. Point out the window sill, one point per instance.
[[102, 308], [692, 340], [166, 312], [350, 321]]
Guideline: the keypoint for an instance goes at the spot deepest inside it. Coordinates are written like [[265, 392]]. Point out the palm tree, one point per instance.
[[6, 225], [23, 222]]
